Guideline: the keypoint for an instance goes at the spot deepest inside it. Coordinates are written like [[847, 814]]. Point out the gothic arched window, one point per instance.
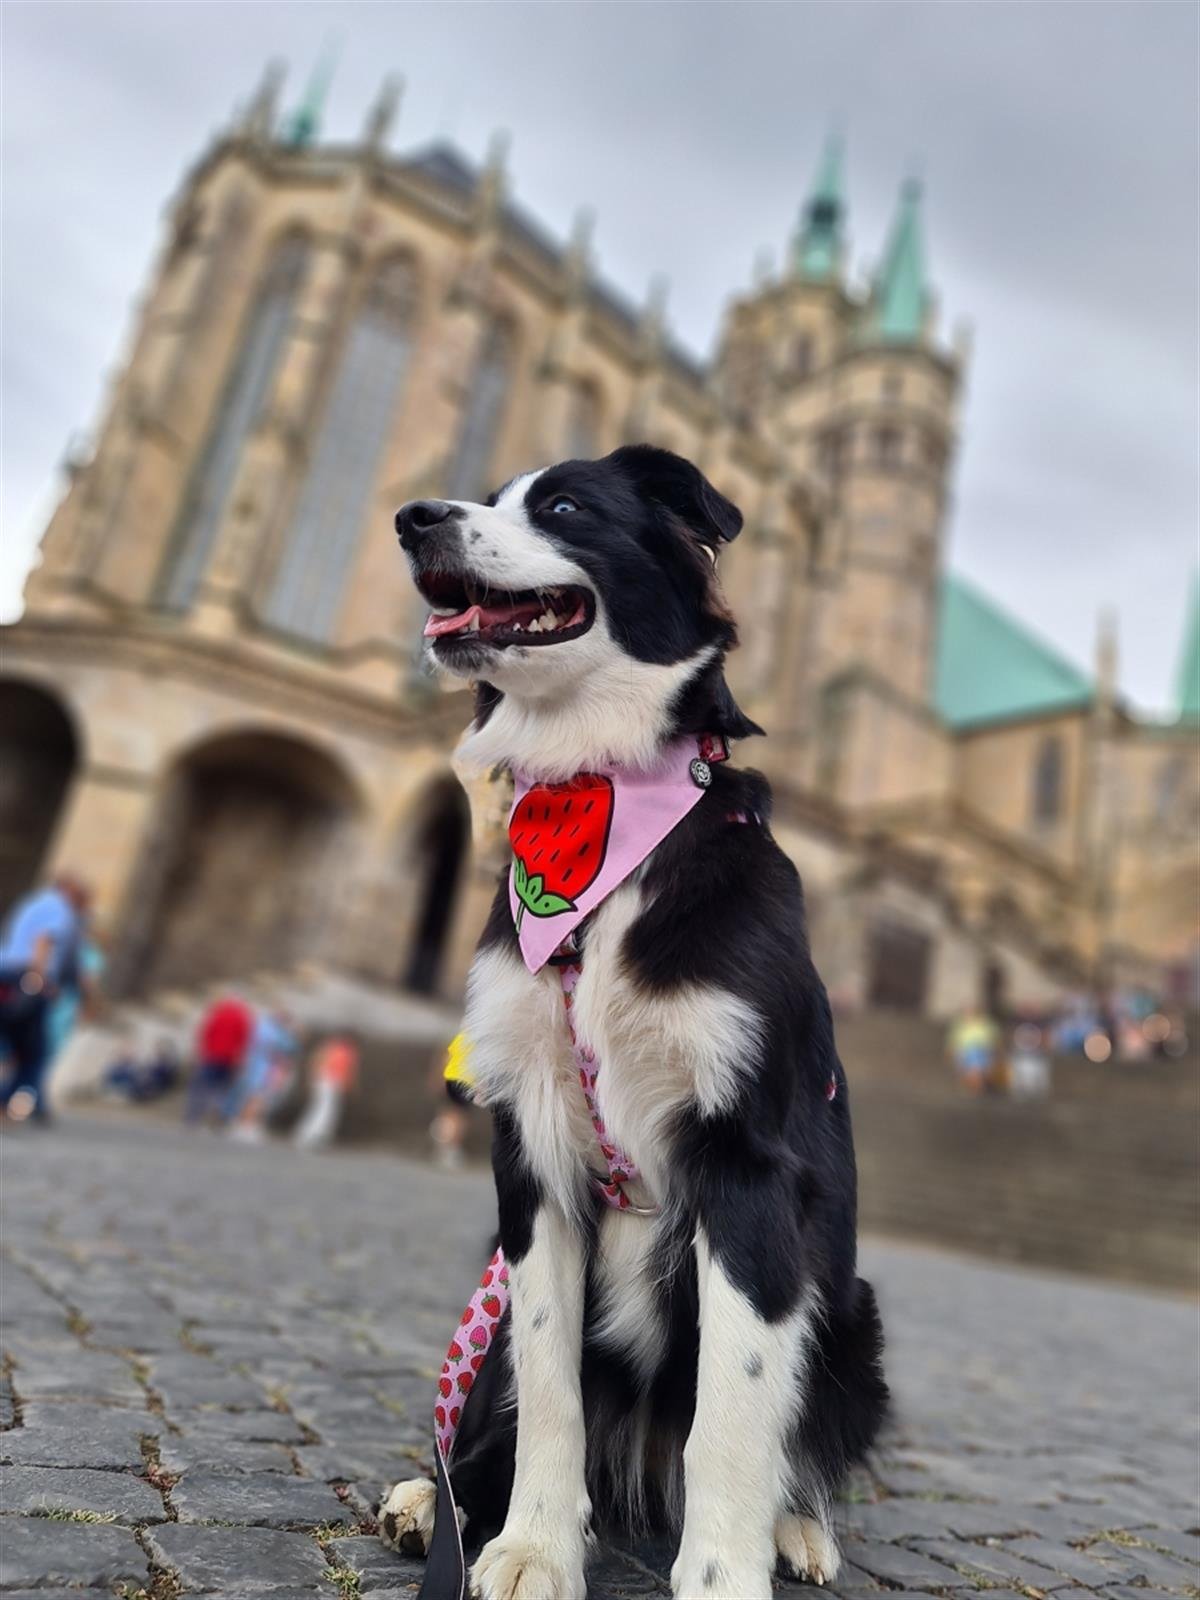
[[1048, 782], [246, 391], [583, 426], [328, 518], [482, 415]]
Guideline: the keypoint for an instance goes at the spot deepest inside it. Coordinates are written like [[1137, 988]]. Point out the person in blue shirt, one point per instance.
[[265, 1077], [39, 958]]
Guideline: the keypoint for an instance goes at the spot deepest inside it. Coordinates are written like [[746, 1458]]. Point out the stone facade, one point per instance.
[[214, 705]]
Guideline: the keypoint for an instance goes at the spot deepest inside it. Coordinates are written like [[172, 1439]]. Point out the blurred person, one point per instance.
[[140, 1082], [1029, 1060], [78, 996], [222, 1040], [39, 960], [448, 1130], [333, 1074], [265, 1077], [972, 1043]]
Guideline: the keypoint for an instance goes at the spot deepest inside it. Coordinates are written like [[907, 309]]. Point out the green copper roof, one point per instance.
[[988, 667], [304, 124], [1188, 690], [900, 293], [819, 240]]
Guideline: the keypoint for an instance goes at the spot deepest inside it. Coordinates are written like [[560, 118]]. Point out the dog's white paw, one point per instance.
[[708, 1576], [514, 1566], [406, 1516], [807, 1549]]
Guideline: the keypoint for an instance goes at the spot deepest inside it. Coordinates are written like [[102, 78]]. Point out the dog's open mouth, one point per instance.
[[466, 611]]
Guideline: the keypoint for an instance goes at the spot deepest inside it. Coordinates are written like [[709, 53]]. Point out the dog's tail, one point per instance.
[[848, 1399]]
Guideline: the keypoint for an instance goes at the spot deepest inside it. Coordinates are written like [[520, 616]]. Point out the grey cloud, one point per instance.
[[1058, 144]]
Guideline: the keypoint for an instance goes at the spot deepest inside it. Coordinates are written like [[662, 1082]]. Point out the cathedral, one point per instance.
[[214, 705]]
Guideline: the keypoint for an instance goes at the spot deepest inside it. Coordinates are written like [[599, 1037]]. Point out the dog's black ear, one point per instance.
[[683, 489]]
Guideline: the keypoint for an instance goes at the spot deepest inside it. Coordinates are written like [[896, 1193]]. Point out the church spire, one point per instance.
[[901, 296], [1189, 661], [818, 242], [304, 125]]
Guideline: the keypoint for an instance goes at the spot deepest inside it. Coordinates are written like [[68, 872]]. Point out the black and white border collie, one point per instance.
[[714, 1367]]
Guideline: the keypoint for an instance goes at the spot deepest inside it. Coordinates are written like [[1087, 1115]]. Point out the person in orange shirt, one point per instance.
[[333, 1073]]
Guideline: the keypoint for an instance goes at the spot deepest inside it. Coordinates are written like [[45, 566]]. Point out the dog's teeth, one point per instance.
[[547, 619], [533, 627], [472, 626]]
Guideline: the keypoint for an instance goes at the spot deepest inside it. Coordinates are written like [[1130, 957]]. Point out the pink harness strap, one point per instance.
[[477, 1326]]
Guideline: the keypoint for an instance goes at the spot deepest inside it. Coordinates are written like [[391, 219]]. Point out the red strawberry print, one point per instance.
[[445, 1388], [559, 835], [478, 1337], [455, 1413], [504, 1276], [439, 1416], [464, 1381], [454, 1353], [490, 1305], [485, 1281], [477, 1361], [465, 1318]]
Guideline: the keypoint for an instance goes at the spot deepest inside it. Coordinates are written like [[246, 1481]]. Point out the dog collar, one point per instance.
[[573, 843]]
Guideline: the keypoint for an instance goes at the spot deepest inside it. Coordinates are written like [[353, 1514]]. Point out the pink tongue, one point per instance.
[[487, 616], [435, 625]]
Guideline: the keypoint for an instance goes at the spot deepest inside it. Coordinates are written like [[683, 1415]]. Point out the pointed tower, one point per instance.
[[900, 305], [883, 455], [303, 126], [818, 247], [1188, 686], [382, 114], [785, 331]]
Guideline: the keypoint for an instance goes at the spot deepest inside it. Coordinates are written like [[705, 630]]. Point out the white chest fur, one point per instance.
[[659, 1053]]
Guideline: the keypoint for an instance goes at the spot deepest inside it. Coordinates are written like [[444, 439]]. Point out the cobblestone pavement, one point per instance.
[[216, 1357]]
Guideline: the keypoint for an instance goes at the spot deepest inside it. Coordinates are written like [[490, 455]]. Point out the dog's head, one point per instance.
[[583, 600]]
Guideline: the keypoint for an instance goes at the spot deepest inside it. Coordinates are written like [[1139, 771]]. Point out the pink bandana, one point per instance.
[[573, 843]]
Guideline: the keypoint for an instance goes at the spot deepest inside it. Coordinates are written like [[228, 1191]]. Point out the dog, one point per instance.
[[712, 1365]]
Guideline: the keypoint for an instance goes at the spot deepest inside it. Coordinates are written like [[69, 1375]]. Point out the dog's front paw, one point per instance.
[[807, 1549], [704, 1575], [406, 1516], [517, 1566]]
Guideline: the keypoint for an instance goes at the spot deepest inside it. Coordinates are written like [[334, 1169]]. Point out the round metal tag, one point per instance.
[[701, 773]]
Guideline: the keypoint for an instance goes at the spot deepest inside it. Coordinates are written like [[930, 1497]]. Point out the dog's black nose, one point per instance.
[[415, 520]]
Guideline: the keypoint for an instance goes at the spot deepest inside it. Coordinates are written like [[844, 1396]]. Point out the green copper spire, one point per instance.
[[818, 246], [901, 297], [304, 124], [1189, 663]]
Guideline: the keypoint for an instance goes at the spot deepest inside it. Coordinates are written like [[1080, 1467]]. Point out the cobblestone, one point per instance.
[[116, 1496], [231, 1353], [37, 1550], [241, 1560]]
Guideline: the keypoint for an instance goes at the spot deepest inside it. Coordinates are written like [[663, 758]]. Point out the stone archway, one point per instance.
[[39, 752], [439, 851], [239, 873]]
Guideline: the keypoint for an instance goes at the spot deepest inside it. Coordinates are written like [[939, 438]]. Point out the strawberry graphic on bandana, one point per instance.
[[574, 842], [559, 837]]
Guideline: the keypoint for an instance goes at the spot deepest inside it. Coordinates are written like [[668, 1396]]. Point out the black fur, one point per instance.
[[772, 1183], [771, 1180]]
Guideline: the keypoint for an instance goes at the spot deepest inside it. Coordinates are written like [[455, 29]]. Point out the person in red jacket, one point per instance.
[[221, 1043]]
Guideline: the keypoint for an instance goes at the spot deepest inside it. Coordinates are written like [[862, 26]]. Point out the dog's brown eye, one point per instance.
[[562, 505]]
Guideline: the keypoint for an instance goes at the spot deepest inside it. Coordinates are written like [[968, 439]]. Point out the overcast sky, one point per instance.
[[1058, 144]]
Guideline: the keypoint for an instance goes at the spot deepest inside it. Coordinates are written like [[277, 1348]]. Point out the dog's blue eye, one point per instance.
[[563, 505]]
